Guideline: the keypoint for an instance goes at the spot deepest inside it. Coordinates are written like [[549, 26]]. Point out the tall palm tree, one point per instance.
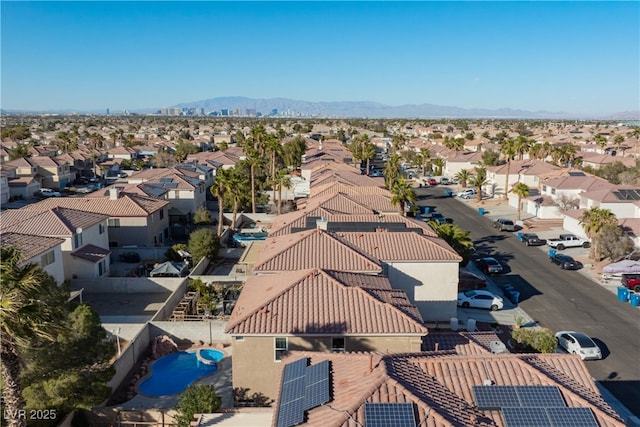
[[522, 191], [459, 239], [593, 221], [402, 193], [236, 189], [219, 191], [30, 309], [508, 150], [463, 176], [521, 146], [478, 181], [438, 162], [282, 180], [274, 149], [392, 171], [425, 159], [368, 153]]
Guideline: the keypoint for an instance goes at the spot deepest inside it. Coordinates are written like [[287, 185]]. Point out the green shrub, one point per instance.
[[196, 399], [535, 340]]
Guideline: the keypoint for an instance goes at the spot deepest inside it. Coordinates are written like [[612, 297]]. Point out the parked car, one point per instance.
[[436, 216], [467, 194], [432, 181], [480, 299], [504, 224], [532, 239], [47, 192], [566, 262], [631, 281], [445, 181], [568, 241], [467, 281], [130, 257], [489, 265], [578, 343]]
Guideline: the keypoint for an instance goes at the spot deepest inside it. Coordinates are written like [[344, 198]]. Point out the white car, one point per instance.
[[47, 192], [480, 299], [466, 194], [578, 343]]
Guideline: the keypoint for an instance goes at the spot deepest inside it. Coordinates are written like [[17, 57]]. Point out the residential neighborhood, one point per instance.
[[296, 255]]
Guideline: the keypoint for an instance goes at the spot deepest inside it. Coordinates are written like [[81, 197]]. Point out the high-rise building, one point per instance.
[[224, 112], [274, 111]]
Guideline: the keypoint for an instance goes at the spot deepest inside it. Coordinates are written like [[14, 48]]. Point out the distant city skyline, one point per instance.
[[574, 57]]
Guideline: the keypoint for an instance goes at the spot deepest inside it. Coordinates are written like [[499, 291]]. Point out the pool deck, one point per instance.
[[220, 380]]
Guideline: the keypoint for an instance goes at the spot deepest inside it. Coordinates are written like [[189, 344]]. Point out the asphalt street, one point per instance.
[[557, 299]]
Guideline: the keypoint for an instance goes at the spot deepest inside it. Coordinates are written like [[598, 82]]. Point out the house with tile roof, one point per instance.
[[134, 220], [52, 172], [441, 388], [85, 246], [43, 251], [425, 267], [318, 310], [463, 160], [596, 160], [217, 159]]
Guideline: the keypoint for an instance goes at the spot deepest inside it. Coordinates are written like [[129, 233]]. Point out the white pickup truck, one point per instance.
[[568, 241]]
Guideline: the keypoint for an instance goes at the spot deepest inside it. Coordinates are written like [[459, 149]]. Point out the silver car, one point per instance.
[[578, 343]]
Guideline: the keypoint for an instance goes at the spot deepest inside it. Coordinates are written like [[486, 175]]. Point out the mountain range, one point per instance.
[[367, 109], [356, 109]]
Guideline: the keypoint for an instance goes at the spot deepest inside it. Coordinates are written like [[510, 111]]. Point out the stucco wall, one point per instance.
[[432, 287], [129, 285]]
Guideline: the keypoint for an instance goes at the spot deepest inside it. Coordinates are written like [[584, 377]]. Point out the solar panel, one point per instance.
[[291, 413], [389, 414], [526, 417], [571, 417], [294, 370], [495, 397], [540, 396], [317, 385], [292, 395]]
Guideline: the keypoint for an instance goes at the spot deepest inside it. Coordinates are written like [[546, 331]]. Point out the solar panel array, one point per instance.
[[497, 397], [532, 406], [389, 414], [303, 388], [549, 417], [630, 194]]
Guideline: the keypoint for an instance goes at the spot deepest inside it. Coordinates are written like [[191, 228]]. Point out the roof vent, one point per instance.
[[321, 224], [487, 382]]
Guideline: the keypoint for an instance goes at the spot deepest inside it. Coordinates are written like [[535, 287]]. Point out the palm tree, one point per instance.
[[30, 309], [402, 193], [508, 150], [593, 221], [236, 189], [478, 181], [522, 191], [521, 146], [425, 159], [282, 180], [219, 191], [456, 237], [439, 164], [368, 153], [463, 176], [392, 171]]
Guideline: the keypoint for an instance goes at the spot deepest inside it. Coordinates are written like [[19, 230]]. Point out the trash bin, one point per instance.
[[448, 193], [634, 300], [519, 237], [623, 294], [514, 296], [552, 252], [480, 211]]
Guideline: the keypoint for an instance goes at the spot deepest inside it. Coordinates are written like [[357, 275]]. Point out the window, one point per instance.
[[101, 228], [114, 222], [240, 338], [176, 194], [77, 240], [553, 191], [337, 345], [47, 259], [102, 268], [113, 244], [161, 213], [280, 347], [544, 188]]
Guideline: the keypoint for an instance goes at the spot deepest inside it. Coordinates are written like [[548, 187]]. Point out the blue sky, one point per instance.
[[576, 57]]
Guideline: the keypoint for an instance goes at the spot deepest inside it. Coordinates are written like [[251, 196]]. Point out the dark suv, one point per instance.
[[489, 265], [532, 239], [631, 281], [504, 224]]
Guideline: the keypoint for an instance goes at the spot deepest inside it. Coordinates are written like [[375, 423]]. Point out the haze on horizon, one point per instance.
[[575, 57]]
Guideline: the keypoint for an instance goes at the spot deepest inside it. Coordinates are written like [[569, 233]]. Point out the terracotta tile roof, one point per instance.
[[126, 205], [91, 253], [341, 187], [606, 195], [464, 343], [318, 302], [29, 245], [313, 249], [584, 183], [440, 385], [56, 221], [300, 220], [319, 164], [525, 167], [350, 177], [389, 246]]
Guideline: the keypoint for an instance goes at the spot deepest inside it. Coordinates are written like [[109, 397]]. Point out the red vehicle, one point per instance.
[[631, 281], [432, 181]]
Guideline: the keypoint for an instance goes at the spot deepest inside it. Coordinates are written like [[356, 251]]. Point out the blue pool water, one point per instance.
[[172, 374]]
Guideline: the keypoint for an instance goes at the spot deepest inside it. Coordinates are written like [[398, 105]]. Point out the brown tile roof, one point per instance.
[[91, 253], [440, 385], [342, 187], [326, 176], [313, 249], [29, 245], [584, 183], [323, 303], [464, 343], [57, 221], [127, 205], [606, 195]]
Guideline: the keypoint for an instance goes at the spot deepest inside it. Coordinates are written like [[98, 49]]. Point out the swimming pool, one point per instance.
[[172, 374]]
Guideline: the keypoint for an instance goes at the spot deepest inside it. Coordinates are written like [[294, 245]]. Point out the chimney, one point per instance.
[[114, 193], [321, 224]]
